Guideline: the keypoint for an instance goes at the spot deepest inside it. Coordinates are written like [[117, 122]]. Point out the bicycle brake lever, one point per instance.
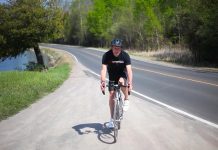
[[103, 92], [128, 90]]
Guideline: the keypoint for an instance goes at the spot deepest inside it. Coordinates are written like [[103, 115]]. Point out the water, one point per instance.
[[19, 62]]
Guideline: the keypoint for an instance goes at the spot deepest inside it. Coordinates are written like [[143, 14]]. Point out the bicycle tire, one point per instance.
[[117, 114], [120, 114], [116, 121]]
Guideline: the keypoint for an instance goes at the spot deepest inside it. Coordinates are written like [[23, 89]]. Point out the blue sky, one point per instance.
[[1, 1]]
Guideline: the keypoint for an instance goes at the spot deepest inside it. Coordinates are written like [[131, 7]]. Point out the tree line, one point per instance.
[[146, 25]]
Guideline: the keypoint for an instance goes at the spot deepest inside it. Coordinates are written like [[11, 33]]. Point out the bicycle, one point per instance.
[[118, 108]]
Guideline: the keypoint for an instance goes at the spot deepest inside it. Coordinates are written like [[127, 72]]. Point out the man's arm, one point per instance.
[[129, 73], [103, 72], [103, 76]]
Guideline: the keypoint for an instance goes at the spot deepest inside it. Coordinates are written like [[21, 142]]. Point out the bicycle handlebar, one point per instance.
[[117, 86]]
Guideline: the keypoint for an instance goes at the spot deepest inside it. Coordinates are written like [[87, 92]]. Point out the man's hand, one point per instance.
[[102, 87], [130, 86]]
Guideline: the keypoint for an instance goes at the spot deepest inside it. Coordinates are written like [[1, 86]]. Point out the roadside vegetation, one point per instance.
[[148, 26], [180, 27], [19, 89], [180, 57]]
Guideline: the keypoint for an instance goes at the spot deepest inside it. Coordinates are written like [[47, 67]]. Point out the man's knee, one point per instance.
[[122, 81]]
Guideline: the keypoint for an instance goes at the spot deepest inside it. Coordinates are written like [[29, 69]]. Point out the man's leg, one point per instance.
[[110, 124], [123, 81], [111, 102], [125, 90]]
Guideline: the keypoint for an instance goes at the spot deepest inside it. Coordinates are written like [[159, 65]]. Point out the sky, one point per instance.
[[2, 1]]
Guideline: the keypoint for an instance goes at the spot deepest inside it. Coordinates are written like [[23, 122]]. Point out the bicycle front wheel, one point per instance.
[[116, 121]]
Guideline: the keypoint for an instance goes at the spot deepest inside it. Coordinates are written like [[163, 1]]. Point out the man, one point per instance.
[[118, 64]]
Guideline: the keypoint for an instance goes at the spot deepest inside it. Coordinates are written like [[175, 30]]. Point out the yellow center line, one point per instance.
[[169, 75]]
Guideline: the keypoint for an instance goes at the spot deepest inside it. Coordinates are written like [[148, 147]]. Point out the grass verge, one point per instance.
[[19, 89]]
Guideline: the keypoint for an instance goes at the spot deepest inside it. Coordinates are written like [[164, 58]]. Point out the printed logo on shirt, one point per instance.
[[117, 62]]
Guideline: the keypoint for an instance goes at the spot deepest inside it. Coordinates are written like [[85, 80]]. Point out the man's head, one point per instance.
[[116, 45]]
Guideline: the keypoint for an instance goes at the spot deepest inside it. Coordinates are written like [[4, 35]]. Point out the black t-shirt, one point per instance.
[[116, 66]]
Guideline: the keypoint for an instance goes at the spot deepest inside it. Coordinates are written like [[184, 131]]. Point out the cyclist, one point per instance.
[[118, 65]]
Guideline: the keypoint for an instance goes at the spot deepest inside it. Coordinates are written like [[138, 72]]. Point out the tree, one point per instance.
[[201, 33], [148, 24], [149, 29], [75, 26], [26, 23], [99, 21]]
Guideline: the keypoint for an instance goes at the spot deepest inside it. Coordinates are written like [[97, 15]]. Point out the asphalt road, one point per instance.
[[190, 90], [73, 117]]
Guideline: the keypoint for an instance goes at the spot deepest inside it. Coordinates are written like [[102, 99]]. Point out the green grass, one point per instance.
[[19, 89]]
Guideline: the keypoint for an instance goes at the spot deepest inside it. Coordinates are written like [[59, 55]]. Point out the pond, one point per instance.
[[18, 63]]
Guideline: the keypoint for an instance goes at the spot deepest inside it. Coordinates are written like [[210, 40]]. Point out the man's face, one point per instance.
[[116, 50]]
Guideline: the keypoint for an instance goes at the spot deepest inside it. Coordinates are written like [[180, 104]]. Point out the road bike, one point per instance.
[[118, 107]]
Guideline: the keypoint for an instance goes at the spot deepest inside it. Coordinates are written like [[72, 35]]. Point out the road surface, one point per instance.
[[73, 117], [190, 90]]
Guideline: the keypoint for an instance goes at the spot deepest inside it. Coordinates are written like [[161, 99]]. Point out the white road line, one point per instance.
[[61, 50], [160, 103], [177, 110], [74, 57], [170, 107]]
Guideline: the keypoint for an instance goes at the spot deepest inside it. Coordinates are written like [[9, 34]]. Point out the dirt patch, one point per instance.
[[57, 57]]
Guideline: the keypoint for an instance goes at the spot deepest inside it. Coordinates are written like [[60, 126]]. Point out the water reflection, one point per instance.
[[18, 63]]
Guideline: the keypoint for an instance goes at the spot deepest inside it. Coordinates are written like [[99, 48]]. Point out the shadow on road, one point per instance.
[[104, 134]]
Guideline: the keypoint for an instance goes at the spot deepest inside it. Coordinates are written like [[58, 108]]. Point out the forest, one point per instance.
[[143, 25], [146, 25]]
